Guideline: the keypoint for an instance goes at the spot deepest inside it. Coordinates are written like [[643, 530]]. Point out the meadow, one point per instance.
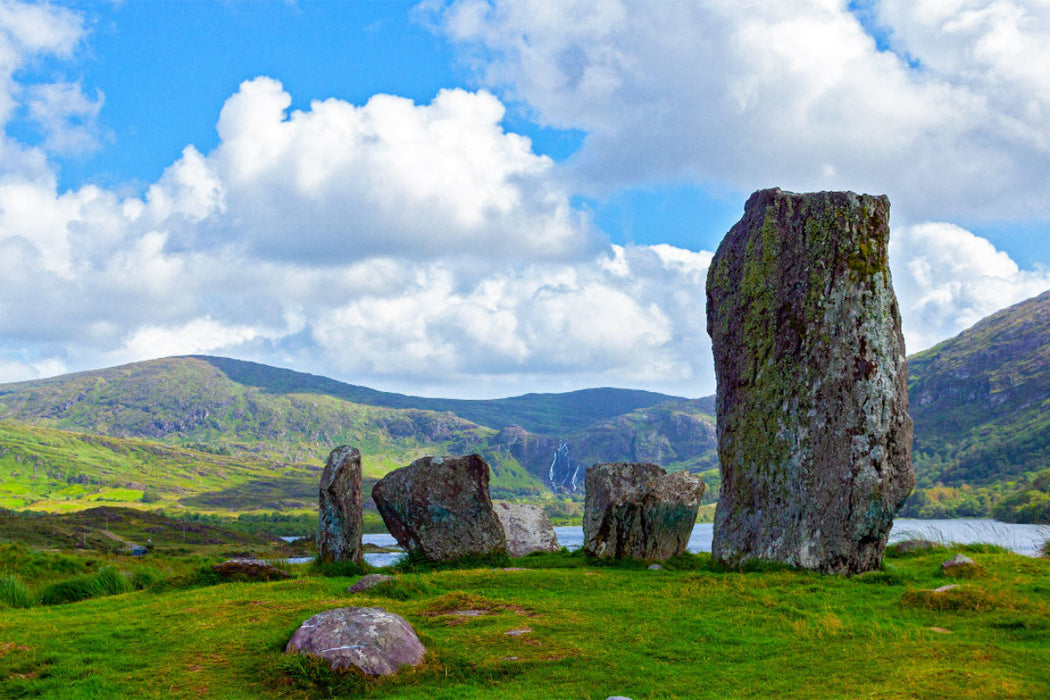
[[692, 630]]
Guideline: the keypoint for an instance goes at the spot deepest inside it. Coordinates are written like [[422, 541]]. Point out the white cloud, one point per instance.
[[338, 182], [66, 116], [794, 93], [947, 279]]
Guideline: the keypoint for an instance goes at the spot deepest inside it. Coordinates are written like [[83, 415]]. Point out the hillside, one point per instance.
[[248, 411], [981, 406]]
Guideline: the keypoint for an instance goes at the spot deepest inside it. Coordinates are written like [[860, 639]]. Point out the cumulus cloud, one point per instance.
[[948, 279], [951, 118], [338, 182]]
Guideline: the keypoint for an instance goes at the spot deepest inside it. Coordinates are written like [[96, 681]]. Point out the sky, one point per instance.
[[487, 198]]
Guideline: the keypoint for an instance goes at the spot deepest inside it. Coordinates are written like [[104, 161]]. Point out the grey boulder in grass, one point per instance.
[[814, 437], [373, 640], [639, 511], [340, 518], [440, 508]]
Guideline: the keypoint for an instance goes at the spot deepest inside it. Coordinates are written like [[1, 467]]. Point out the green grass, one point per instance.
[[690, 631]]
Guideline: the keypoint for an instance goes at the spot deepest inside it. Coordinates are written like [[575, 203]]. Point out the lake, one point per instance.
[[1023, 539]]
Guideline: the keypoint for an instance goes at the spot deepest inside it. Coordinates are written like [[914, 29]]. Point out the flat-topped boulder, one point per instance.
[[527, 528], [340, 518], [373, 640], [440, 508], [639, 511], [814, 438]]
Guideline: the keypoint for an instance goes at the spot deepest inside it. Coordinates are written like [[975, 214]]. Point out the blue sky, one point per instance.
[[342, 188]]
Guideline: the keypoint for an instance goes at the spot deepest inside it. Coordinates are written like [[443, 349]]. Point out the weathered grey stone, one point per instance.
[[814, 437], [249, 570], [638, 511], [527, 527], [958, 563], [374, 640], [340, 520], [369, 581], [440, 507]]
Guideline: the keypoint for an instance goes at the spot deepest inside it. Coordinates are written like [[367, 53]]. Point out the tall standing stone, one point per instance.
[[440, 507], [814, 437], [340, 520]]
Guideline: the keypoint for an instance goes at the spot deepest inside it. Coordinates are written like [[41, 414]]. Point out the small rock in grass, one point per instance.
[[945, 589], [375, 641], [940, 630], [249, 570], [518, 632], [957, 564], [655, 567], [369, 581]]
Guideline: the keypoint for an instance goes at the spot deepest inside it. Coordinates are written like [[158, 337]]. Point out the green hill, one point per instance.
[[255, 415], [981, 406]]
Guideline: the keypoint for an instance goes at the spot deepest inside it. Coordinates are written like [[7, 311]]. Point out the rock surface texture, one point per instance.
[[527, 527], [340, 519], [638, 511], [440, 507], [814, 437], [374, 640]]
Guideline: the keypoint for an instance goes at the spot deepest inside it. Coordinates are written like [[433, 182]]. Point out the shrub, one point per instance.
[[14, 593], [69, 591]]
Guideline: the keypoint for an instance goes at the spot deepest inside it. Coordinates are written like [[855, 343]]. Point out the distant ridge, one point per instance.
[[540, 413]]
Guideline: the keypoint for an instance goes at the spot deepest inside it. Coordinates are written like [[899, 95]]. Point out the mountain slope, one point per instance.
[[537, 413], [981, 406], [229, 407]]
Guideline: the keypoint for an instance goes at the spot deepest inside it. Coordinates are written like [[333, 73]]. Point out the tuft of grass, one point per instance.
[[404, 589], [338, 568], [963, 599], [887, 576], [109, 581], [14, 593], [414, 562]]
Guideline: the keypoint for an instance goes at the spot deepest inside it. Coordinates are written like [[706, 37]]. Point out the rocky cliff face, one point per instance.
[[814, 435]]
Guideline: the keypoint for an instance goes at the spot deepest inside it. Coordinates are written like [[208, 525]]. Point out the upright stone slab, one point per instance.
[[441, 508], [638, 511], [527, 527], [814, 437], [340, 520]]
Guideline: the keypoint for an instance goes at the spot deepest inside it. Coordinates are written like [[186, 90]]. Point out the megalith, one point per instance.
[[377, 642], [638, 511], [440, 507], [527, 528], [340, 521], [814, 438]]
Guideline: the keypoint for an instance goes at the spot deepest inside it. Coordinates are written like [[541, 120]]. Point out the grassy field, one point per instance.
[[689, 631]]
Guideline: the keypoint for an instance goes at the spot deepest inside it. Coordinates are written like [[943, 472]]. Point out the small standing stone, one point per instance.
[[340, 519], [374, 640], [441, 508], [527, 527], [638, 511]]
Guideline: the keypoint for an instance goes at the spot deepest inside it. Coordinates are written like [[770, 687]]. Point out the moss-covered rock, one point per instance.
[[814, 434]]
